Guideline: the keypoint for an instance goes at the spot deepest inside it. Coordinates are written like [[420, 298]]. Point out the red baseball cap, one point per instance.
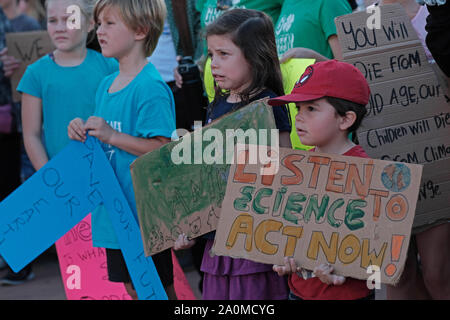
[[331, 78]]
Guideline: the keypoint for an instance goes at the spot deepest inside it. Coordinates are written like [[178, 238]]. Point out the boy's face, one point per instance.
[[317, 123], [115, 38]]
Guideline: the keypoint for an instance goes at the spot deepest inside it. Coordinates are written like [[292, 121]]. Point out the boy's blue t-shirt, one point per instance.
[[66, 93], [145, 108]]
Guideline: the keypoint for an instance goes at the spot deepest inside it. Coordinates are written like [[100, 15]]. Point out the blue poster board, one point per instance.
[[60, 195]]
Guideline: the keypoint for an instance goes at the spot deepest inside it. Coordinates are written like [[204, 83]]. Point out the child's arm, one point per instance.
[[335, 47], [32, 130], [137, 146], [302, 53]]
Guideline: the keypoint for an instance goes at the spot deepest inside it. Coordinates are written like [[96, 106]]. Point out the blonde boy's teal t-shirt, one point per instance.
[[66, 93], [145, 108]]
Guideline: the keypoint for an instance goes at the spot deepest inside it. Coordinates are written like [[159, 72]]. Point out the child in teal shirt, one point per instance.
[[134, 114]]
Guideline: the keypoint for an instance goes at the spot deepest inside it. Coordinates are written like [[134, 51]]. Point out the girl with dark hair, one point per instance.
[[245, 67]]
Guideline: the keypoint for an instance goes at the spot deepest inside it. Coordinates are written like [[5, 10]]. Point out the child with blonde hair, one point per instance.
[[61, 85], [134, 114]]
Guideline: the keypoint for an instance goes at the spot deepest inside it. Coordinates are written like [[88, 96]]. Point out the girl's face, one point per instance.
[[114, 36], [229, 67], [317, 123], [63, 35]]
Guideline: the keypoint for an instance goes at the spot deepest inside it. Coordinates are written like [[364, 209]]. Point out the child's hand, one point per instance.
[[325, 273], [10, 64], [76, 131], [289, 267], [177, 76], [100, 129], [183, 242]]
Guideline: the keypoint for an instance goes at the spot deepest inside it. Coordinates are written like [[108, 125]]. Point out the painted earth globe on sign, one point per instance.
[[396, 177]]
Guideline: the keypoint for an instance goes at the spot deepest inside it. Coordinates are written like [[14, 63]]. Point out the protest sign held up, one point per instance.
[[26, 47], [58, 197], [319, 208], [408, 112], [179, 188]]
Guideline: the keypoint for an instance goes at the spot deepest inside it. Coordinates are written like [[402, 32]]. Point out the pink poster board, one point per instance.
[[83, 267], [182, 287], [84, 272]]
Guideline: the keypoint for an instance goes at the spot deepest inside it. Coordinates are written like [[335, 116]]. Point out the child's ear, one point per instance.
[[91, 25], [140, 34], [348, 120]]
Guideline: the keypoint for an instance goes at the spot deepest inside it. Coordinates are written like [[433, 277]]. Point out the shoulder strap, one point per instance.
[[181, 20]]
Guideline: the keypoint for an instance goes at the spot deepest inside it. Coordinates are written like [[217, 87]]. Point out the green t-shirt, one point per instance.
[[209, 11], [308, 24]]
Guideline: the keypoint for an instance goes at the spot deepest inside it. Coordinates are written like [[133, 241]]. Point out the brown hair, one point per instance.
[[342, 106], [139, 15], [253, 32]]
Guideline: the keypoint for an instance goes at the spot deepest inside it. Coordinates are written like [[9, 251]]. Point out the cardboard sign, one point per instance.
[[408, 116], [186, 197], [59, 196], [319, 208], [26, 47], [83, 267]]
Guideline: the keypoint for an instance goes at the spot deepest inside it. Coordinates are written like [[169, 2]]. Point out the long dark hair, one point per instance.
[[252, 31]]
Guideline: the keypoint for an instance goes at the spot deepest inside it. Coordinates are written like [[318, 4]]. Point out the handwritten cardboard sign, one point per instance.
[[320, 208], [26, 47], [186, 197], [408, 116], [59, 196]]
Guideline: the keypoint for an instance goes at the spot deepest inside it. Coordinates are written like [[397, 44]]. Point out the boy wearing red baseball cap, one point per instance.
[[331, 97]]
